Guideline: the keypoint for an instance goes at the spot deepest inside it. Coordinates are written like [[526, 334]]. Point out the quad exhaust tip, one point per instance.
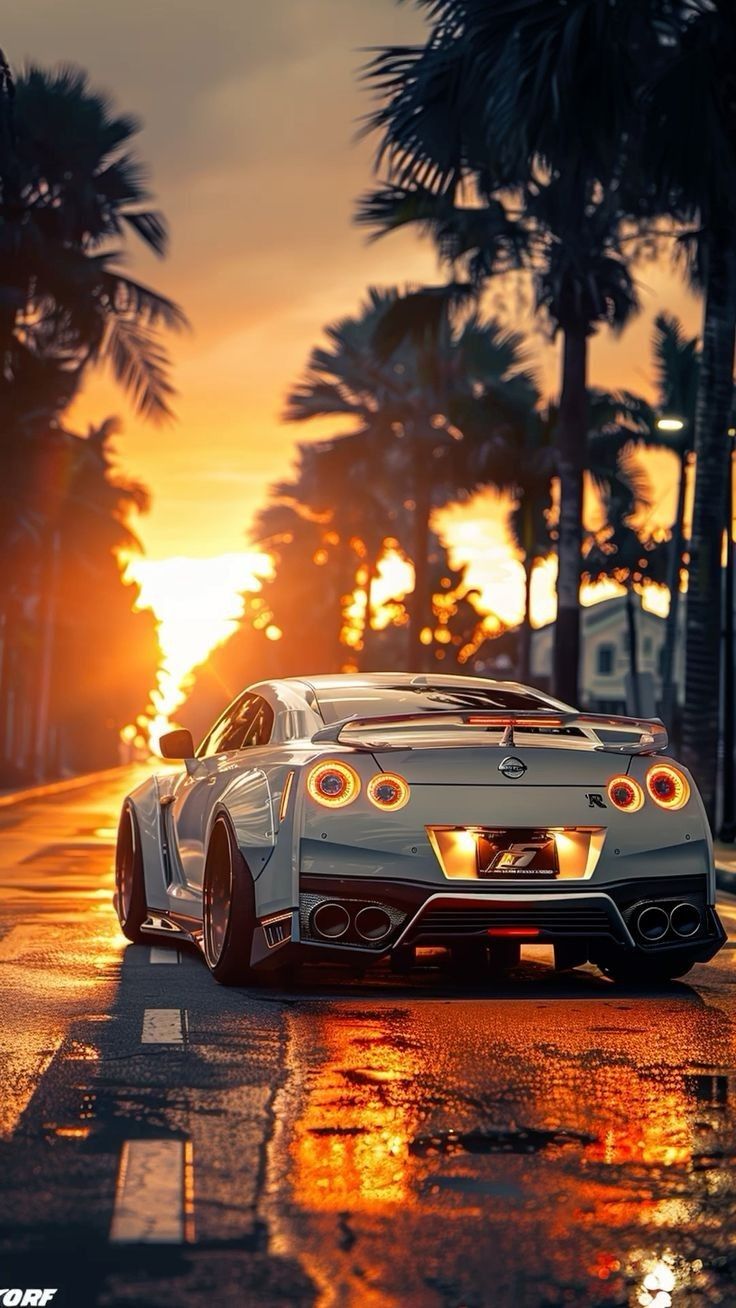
[[685, 920], [331, 920], [372, 923], [652, 923]]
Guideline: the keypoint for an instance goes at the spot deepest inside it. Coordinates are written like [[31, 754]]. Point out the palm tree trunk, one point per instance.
[[633, 651], [366, 654], [5, 688], [703, 630], [668, 707], [418, 614], [43, 720], [525, 630], [728, 811], [10, 185], [570, 441]]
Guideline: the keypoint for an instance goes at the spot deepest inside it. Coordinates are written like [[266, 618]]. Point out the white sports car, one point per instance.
[[355, 818]]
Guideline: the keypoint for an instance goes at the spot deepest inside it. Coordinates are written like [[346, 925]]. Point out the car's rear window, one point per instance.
[[336, 704]]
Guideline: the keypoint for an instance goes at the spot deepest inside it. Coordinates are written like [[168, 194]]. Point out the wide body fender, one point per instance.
[[248, 803], [269, 842], [146, 803]]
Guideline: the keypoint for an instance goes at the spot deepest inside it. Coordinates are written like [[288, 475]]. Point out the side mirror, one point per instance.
[[176, 744]]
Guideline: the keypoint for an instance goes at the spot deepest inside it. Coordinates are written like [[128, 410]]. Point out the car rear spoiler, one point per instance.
[[651, 733]]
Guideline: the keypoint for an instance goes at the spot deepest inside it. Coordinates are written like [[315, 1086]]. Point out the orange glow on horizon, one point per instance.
[[198, 603]]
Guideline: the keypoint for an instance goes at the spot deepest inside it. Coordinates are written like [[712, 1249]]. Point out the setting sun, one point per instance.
[[197, 603]]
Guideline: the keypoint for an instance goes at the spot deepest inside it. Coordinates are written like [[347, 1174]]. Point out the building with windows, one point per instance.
[[604, 662]]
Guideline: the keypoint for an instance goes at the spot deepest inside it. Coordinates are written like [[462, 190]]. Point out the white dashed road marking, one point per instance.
[[163, 1026], [159, 955], [154, 1193]]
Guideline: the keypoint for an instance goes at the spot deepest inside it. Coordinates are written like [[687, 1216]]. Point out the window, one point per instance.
[[258, 727], [385, 701], [616, 707], [247, 723], [606, 656], [646, 646]]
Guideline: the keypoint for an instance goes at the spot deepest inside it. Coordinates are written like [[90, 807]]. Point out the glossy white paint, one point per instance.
[[450, 784]]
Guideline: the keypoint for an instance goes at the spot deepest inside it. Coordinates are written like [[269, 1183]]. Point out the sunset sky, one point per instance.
[[249, 114]]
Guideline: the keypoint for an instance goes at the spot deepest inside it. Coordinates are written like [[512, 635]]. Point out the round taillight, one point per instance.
[[668, 787], [333, 784], [388, 791], [626, 794]]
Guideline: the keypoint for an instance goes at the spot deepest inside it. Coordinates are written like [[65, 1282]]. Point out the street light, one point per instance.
[[670, 424]]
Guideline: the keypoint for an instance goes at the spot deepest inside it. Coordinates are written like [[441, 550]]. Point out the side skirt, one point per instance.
[[173, 925]]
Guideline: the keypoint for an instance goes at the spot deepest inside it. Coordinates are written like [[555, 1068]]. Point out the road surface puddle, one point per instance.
[[581, 1149], [503, 1140]]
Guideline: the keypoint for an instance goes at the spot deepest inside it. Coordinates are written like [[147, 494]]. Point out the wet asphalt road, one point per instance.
[[164, 1141]]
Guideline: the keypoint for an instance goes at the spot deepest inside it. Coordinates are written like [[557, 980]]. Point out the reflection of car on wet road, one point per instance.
[[352, 818]]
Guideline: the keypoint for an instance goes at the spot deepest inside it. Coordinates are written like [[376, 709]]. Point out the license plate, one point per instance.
[[517, 855]]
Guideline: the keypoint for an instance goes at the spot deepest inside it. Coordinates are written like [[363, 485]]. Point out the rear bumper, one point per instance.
[[421, 915]]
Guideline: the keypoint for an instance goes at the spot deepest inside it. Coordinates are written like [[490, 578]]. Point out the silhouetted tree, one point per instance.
[[70, 189], [78, 662], [423, 384], [469, 112], [70, 192]]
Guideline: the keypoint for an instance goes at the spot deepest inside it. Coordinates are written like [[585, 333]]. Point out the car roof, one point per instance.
[[340, 680], [399, 680], [294, 694]]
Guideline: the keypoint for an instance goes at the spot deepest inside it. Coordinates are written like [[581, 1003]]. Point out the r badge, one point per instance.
[[512, 768]]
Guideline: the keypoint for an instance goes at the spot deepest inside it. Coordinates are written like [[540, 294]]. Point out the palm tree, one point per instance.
[[350, 485], [414, 378], [70, 190], [637, 92], [677, 368], [305, 599], [66, 689], [691, 152], [101, 654], [457, 114], [529, 479], [618, 550]]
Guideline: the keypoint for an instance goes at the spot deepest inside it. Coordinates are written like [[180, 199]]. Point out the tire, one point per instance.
[[638, 971], [130, 881], [228, 909]]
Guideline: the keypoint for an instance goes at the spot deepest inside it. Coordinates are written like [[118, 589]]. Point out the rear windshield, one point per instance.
[[336, 704]]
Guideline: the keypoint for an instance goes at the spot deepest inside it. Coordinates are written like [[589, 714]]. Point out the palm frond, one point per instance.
[[419, 315], [131, 298], [140, 365], [677, 370], [150, 225]]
